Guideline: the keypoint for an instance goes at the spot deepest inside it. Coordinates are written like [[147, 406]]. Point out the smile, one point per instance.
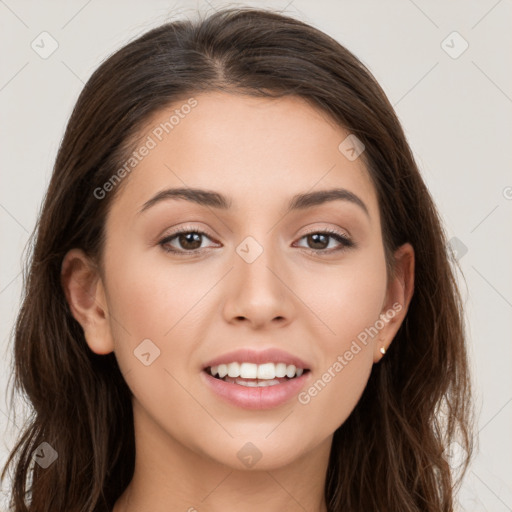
[[255, 386]]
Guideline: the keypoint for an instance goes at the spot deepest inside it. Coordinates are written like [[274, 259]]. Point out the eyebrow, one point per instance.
[[217, 200]]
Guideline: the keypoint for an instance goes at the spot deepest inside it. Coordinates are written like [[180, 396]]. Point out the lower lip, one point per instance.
[[258, 397]]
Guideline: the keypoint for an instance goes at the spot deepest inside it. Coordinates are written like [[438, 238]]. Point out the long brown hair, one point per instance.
[[391, 453]]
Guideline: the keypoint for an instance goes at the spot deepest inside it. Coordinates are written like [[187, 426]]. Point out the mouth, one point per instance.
[[250, 379], [255, 375]]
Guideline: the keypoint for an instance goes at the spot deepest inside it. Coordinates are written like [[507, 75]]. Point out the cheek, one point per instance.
[[349, 302], [150, 295], [346, 354], [335, 391], [163, 301], [346, 298], [154, 308]]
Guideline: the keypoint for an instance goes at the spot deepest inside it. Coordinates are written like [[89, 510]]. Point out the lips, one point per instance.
[[256, 379], [245, 397]]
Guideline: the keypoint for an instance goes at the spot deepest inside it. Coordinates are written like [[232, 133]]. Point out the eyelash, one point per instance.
[[344, 240]]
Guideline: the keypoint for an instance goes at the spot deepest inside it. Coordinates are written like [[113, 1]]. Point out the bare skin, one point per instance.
[[310, 301]]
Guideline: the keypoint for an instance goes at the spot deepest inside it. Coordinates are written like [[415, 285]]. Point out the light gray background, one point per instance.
[[456, 113]]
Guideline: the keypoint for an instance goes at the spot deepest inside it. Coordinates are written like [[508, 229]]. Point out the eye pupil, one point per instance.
[[190, 240], [319, 238]]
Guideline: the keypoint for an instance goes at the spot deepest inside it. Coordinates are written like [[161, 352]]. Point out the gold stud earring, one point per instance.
[[382, 350]]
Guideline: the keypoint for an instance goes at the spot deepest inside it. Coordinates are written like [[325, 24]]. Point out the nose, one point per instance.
[[259, 293]]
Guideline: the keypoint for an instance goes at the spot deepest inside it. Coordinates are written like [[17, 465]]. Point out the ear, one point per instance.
[[398, 297], [85, 294]]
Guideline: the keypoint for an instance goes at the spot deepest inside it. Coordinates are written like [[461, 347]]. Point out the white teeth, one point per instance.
[[248, 370], [223, 370], [290, 371], [266, 371], [233, 370], [280, 370]]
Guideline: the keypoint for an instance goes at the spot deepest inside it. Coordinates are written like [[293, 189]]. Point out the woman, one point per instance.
[[240, 292]]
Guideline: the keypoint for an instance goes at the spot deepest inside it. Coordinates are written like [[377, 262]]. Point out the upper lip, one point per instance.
[[247, 355]]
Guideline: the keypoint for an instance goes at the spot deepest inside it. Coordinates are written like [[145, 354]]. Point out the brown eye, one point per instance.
[[190, 240], [318, 241], [185, 241]]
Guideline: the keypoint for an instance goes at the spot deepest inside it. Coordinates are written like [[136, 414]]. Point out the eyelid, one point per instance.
[[185, 229], [330, 230]]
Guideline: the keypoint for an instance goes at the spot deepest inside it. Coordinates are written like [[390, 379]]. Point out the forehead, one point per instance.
[[255, 150]]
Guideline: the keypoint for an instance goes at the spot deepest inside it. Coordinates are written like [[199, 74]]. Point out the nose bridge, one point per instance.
[[258, 293]]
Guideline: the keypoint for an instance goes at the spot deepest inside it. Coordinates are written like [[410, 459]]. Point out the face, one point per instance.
[[298, 282]]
